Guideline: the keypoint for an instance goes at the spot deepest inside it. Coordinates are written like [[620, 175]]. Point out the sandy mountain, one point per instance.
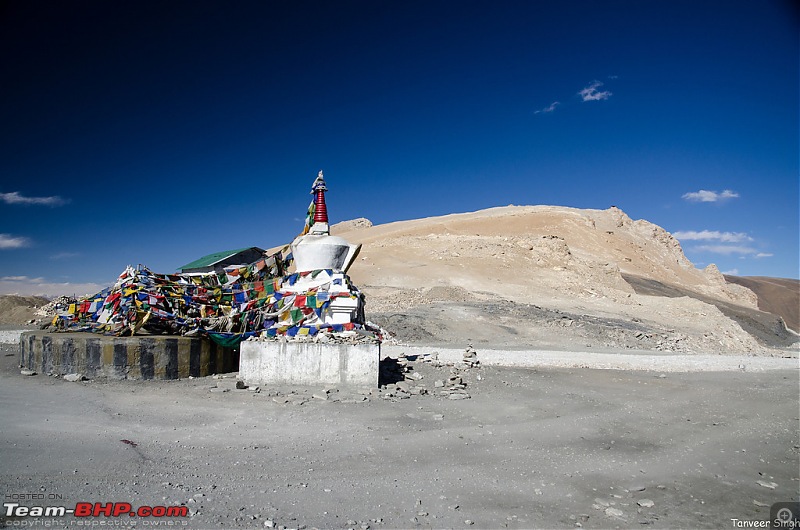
[[547, 276]]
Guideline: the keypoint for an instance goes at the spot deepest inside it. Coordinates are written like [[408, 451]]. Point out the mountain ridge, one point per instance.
[[596, 263]]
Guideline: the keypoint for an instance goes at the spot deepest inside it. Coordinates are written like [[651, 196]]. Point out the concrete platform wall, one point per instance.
[[305, 363], [138, 357]]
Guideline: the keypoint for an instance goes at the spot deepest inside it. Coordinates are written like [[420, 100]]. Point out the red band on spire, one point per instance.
[[320, 209]]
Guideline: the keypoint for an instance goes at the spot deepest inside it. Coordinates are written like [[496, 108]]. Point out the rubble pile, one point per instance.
[[399, 378], [365, 335], [55, 306]]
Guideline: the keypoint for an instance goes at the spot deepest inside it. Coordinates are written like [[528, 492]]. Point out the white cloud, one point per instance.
[[709, 196], [590, 93], [715, 235], [549, 108], [16, 198], [732, 272], [7, 241], [726, 250], [728, 246], [24, 286]]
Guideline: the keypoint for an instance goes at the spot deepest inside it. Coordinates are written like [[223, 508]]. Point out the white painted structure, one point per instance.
[[342, 309], [326, 259], [320, 250], [271, 363]]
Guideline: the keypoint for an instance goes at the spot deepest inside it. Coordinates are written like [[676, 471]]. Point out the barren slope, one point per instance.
[[780, 296], [541, 262], [17, 310]]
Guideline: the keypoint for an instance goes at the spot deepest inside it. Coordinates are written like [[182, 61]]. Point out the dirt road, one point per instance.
[[552, 448]]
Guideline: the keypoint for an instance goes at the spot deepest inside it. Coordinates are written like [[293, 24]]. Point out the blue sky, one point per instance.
[[157, 132]]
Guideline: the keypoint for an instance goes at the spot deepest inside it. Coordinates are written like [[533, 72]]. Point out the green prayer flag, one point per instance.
[[226, 341]]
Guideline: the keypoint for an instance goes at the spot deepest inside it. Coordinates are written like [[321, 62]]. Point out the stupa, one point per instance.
[[327, 258], [347, 355]]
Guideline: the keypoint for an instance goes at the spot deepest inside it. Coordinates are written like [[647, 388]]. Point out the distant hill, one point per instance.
[[780, 296], [16, 310]]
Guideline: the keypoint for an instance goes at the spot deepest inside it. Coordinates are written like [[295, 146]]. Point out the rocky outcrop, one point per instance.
[[353, 224], [558, 259]]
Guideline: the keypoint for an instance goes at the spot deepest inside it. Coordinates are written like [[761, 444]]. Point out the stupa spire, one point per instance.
[[318, 189], [316, 248]]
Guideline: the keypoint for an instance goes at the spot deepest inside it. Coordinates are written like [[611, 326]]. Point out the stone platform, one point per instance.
[[309, 363], [138, 357]]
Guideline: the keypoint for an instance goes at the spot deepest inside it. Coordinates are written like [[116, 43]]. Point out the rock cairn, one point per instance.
[[471, 357]]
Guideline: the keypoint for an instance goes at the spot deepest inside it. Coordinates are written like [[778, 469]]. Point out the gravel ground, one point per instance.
[[521, 448], [610, 360], [10, 336]]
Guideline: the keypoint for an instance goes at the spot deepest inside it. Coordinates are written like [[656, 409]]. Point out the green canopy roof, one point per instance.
[[211, 259]]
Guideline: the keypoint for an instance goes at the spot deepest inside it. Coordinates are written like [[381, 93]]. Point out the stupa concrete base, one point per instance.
[[308, 363], [137, 357]]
